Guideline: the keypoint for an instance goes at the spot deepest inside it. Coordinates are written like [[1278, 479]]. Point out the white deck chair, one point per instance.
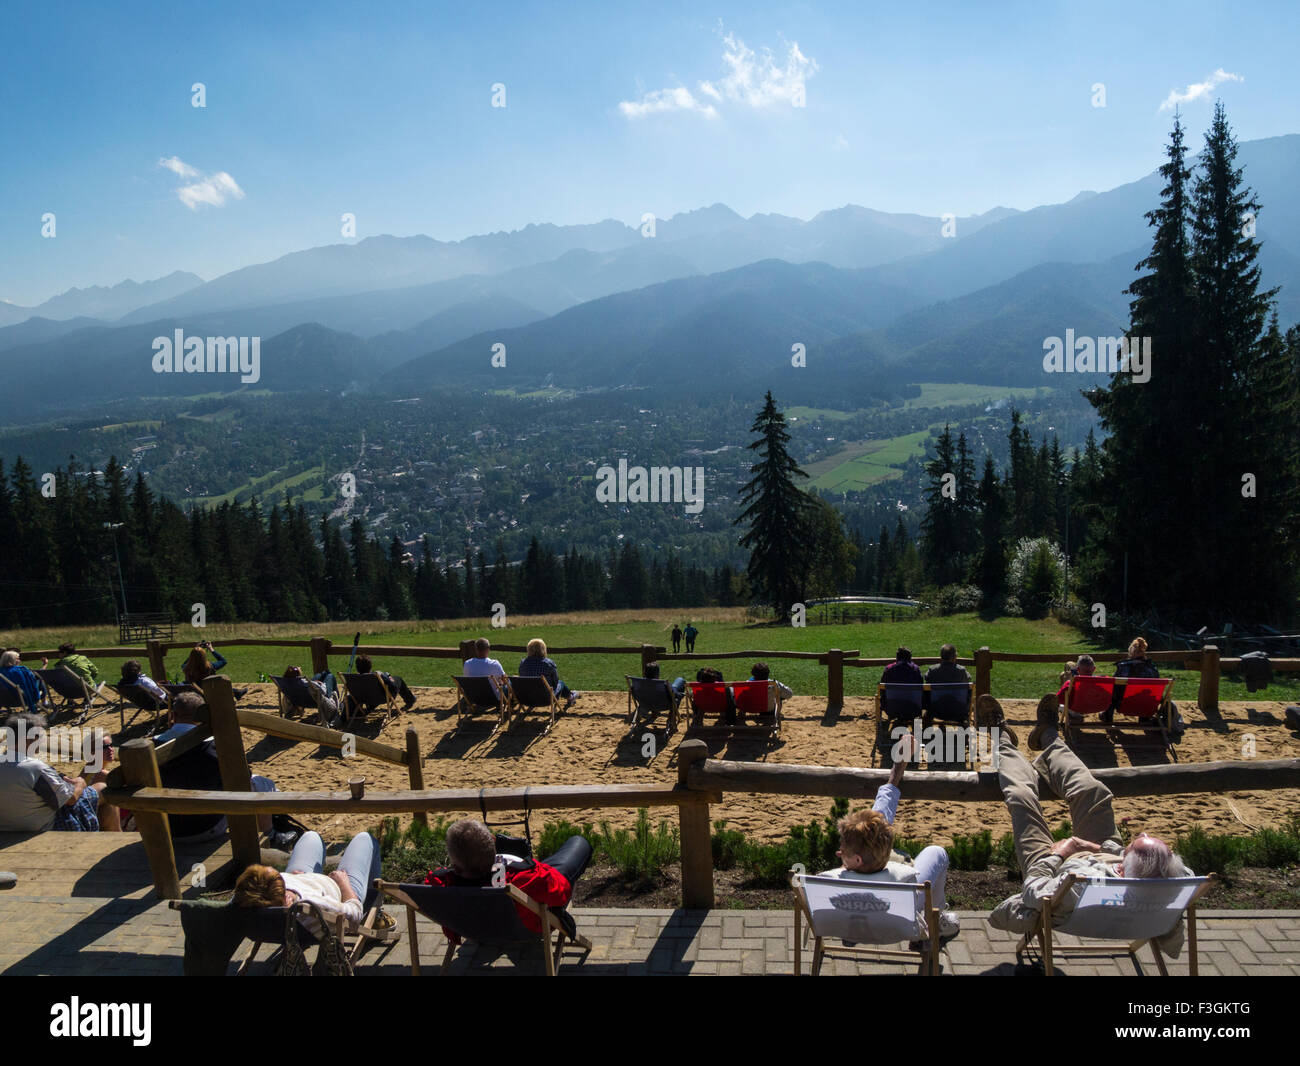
[[871, 913], [1126, 911]]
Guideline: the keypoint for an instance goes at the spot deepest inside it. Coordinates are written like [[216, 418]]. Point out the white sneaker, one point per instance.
[[949, 925]]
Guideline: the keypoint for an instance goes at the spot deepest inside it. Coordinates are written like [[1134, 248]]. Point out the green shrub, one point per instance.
[[411, 853], [1004, 853], [911, 846], [971, 852], [644, 853], [1271, 848], [1210, 852], [1063, 831], [556, 833], [729, 846]]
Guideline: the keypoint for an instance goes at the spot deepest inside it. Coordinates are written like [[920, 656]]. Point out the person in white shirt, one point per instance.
[[133, 674], [35, 797], [482, 666], [867, 845], [348, 890]]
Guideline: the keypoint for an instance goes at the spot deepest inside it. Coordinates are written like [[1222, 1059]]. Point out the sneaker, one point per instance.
[[988, 713], [1049, 717], [949, 927]]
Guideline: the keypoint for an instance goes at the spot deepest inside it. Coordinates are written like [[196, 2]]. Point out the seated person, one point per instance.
[[867, 843], [536, 664], [197, 668], [198, 768], [762, 672], [1094, 851], [35, 797], [902, 671], [677, 687], [472, 852], [708, 676], [393, 684], [18, 677], [1136, 665], [482, 666], [348, 891], [1084, 666], [947, 671], [77, 664], [133, 674]]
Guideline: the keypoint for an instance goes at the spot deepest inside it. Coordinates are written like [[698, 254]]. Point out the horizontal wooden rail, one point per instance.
[[920, 661], [286, 729], [818, 656], [54, 654], [1101, 656], [794, 780], [543, 797], [408, 650]]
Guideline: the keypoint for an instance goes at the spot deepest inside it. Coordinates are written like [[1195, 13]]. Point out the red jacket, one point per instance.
[[536, 880]]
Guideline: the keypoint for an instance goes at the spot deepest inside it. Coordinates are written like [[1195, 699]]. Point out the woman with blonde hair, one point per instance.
[[536, 664], [347, 891], [1136, 665]]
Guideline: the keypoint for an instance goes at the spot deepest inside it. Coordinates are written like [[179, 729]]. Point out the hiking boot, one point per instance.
[[1049, 716], [988, 714]]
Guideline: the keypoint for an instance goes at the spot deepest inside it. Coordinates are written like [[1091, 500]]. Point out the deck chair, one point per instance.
[[898, 703], [1126, 911], [364, 693], [531, 694], [176, 690], [866, 915], [291, 694], [707, 697], [1145, 699], [214, 930], [647, 697], [751, 699], [71, 688], [486, 915], [11, 696], [134, 696], [475, 694]]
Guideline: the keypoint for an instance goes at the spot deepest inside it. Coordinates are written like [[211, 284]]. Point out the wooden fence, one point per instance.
[[701, 782], [1207, 661]]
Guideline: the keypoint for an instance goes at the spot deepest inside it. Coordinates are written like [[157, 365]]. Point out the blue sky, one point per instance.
[[385, 111]]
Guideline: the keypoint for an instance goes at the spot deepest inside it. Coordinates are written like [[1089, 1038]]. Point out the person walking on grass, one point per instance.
[[690, 633], [676, 634]]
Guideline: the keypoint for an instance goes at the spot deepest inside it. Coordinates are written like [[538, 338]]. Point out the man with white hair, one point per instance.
[[1094, 850]]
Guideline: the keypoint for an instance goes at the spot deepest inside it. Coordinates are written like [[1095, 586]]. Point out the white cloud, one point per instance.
[[213, 189], [679, 99], [754, 80], [1198, 90]]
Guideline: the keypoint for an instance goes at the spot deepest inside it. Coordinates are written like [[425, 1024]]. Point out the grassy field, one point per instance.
[[721, 629], [861, 464], [266, 487], [955, 395]]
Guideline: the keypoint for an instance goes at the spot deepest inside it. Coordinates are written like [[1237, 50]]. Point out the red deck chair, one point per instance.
[[1145, 699], [706, 697], [752, 699]]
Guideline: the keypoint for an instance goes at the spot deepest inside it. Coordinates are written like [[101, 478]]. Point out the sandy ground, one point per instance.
[[590, 745]]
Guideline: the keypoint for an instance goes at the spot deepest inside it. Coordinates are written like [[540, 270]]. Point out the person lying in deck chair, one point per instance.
[[349, 890], [133, 674], [1093, 851], [1136, 665], [762, 672], [867, 845], [902, 671], [391, 682], [17, 675], [472, 853], [79, 665], [35, 797], [677, 686]]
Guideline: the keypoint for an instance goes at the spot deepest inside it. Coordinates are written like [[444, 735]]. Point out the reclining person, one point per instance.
[[348, 891], [1093, 851], [472, 853], [538, 664], [79, 665], [1136, 665], [321, 689], [392, 683], [706, 675], [947, 671], [133, 674], [15, 676], [867, 845], [1084, 666]]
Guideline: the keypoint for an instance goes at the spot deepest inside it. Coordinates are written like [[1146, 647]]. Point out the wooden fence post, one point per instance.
[[834, 678], [140, 767], [157, 660], [233, 760], [320, 654], [415, 768], [697, 844], [983, 672], [1207, 697]]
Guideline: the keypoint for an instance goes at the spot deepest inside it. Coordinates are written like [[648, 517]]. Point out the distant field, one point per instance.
[[266, 487], [807, 414], [721, 629], [955, 395], [860, 464]]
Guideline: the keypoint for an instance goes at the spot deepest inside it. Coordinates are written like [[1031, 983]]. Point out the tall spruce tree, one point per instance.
[[776, 512]]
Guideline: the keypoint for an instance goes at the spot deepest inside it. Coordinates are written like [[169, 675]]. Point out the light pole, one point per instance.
[[114, 527], [1064, 483]]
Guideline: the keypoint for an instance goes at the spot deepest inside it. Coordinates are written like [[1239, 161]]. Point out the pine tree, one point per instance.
[[776, 513]]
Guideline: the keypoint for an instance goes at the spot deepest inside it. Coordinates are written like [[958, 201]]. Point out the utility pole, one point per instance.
[[114, 527]]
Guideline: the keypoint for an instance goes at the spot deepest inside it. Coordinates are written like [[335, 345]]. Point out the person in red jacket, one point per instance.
[[472, 853]]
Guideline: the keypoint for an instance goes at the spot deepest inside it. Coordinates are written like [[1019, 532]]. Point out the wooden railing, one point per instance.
[[1207, 660]]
